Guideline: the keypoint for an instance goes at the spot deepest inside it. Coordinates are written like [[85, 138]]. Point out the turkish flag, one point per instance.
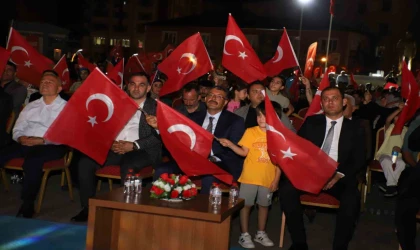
[[83, 63], [306, 166], [109, 66], [188, 143], [186, 63], [408, 82], [155, 56], [168, 50], [238, 55], [30, 63], [284, 58], [93, 117], [331, 69], [63, 71], [353, 82], [116, 74], [4, 57], [315, 107], [310, 59]]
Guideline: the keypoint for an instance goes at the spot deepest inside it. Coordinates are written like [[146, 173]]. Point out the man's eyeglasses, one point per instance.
[[218, 97]]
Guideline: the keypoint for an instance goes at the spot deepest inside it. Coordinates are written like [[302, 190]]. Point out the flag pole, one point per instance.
[[328, 43], [10, 33]]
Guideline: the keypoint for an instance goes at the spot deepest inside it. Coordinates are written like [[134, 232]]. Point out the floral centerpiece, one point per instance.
[[173, 187]]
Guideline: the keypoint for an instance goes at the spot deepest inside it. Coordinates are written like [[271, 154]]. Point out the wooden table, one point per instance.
[[118, 223]]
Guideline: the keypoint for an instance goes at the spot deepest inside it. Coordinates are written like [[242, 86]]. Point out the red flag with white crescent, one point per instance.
[[310, 60], [116, 74], [315, 107], [63, 71], [306, 166], [284, 58], [4, 57]]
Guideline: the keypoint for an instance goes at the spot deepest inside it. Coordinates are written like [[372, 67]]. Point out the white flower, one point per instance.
[[186, 187], [193, 185], [161, 184], [167, 187], [177, 179], [179, 189]]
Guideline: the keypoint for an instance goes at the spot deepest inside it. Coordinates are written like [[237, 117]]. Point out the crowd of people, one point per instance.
[[235, 113]]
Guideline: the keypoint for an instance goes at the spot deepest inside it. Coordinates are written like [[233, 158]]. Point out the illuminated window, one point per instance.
[[99, 40], [57, 54], [122, 42], [125, 43], [140, 44]]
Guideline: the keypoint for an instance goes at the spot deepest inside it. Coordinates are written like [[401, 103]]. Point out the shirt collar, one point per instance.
[[216, 116], [339, 120], [56, 100]]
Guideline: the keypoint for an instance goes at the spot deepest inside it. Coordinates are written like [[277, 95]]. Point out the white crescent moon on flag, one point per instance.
[[227, 39], [105, 99], [121, 76], [185, 129], [272, 129], [15, 48], [191, 57], [64, 71], [280, 56]]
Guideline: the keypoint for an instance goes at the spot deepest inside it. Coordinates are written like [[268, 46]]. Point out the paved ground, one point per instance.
[[375, 229]]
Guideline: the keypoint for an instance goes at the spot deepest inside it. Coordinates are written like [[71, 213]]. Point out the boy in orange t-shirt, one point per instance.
[[259, 178]]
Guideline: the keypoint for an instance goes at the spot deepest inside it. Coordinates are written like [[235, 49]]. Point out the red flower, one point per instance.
[[171, 181], [183, 180], [193, 191], [186, 193], [174, 194], [164, 176], [158, 191], [172, 176]]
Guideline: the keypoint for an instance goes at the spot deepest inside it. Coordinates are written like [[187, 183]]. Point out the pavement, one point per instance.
[[375, 230]]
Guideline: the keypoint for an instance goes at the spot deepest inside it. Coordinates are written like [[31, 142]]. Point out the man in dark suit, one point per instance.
[[223, 124], [136, 146], [343, 140]]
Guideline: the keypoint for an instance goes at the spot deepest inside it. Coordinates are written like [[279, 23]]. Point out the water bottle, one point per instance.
[[217, 196], [128, 188], [211, 192], [394, 156], [233, 193], [137, 184]]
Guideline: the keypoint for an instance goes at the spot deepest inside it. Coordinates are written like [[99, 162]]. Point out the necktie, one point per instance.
[[329, 139], [210, 126]]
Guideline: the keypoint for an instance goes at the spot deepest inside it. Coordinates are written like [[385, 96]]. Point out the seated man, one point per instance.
[[30, 127], [223, 124], [136, 146], [191, 100], [13, 88]]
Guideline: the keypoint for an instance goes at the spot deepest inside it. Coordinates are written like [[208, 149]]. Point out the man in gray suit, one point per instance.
[[249, 113], [136, 146], [14, 89]]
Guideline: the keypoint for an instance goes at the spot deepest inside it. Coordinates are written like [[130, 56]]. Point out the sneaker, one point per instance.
[[262, 238], [245, 241], [391, 191]]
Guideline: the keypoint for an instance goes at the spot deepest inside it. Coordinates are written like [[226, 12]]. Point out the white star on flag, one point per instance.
[[178, 70], [28, 63], [92, 120], [288, 154], [243, 55]]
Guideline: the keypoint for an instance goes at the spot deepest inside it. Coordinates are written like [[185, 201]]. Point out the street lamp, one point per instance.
[[303, 3], [324, 59]]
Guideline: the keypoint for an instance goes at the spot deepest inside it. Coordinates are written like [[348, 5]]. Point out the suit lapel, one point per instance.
[[221, 124], [344, 140], [319, 130]]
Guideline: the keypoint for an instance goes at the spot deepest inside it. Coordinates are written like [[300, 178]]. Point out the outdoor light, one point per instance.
[[324, 59], [304, 1]]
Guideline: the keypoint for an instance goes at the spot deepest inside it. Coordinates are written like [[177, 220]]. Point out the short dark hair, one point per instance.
[[282, 78], [333, 88], [84, 69], [12, 65], [221, 89], [190, 87], [277, 107], [255, 83], [206, 83], [50, 72], [140, 74]]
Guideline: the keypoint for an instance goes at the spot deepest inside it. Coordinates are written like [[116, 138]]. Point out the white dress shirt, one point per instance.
[[130, 132], [206, 124], [37, 117], [337, 131]]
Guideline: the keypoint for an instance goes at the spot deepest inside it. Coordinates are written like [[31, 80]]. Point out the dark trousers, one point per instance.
[[35, 157], [407, 206], [171, 167], [87, 168], [344, 190]]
